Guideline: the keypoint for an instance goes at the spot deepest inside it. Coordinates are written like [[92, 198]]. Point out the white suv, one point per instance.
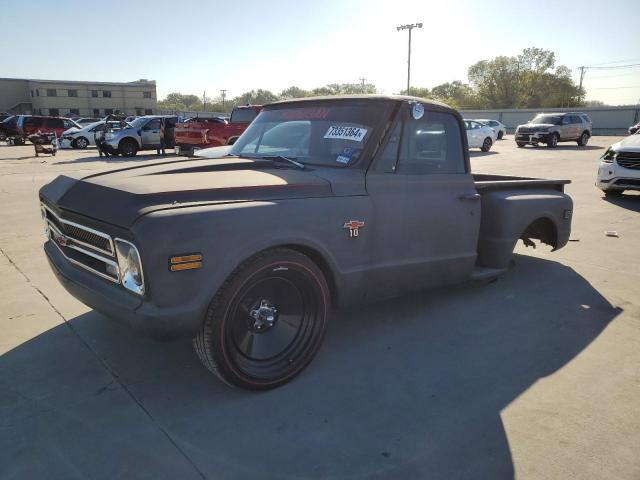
[[619, 168]]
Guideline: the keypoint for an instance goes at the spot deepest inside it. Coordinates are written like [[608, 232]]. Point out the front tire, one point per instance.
[[81, 143], [553, 141], [266, 322], [486, 145], [520, 144], [128, 148]]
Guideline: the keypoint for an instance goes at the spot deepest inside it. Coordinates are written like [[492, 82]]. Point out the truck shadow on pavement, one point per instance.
[[408, 388]]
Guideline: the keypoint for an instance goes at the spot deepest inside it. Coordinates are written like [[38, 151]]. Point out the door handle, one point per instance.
[[470, 196]]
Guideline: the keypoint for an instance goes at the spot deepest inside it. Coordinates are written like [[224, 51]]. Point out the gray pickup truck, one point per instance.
[[321, 203]]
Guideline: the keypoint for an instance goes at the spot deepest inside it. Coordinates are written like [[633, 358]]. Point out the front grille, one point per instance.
[[88, 237], [526, 130], [628, 159], [88, 248], [632, 182]]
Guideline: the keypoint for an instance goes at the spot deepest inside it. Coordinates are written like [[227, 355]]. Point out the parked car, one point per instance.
[[499, 127], [322, 202], [479, 135], [634, 128], [4, 116], [619, 168], [84, 121], [551, 128], [141, 134], [30, 124], [85, 136], [197, 133]]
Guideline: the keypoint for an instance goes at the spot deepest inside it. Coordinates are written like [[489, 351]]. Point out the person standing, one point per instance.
[[162, 137]]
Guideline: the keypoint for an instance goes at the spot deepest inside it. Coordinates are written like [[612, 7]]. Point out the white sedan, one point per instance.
[[499, 127], [83, 137], [479, 135]]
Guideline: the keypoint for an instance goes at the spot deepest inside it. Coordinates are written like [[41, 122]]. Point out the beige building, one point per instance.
[[84, 99]]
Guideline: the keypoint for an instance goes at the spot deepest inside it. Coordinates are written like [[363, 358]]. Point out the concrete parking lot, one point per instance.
[[534, 376]]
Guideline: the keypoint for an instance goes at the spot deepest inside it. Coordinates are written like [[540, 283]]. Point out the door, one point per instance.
[[426, 210], [151, 133], [54, 125]]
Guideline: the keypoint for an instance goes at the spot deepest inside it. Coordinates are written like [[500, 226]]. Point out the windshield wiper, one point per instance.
[[275, 158]]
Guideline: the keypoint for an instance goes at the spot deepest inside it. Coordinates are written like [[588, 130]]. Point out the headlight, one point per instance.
[[608, 156], [131, 275], [108, 136]]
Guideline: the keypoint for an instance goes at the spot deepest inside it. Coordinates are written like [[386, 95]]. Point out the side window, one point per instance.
[[54, 123], [431, 145], [67, 124], [577, 119], [153, 124]]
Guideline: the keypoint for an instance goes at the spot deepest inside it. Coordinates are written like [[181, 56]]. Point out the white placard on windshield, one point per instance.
[[346, 133]]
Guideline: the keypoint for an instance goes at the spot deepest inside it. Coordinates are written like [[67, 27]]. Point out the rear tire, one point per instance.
[[553, 141], [500, 135], [583, 140], [128, 148], [267, 321], [486, 145]]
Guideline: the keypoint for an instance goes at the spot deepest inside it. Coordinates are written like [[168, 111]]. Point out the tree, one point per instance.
[[293, 92], [455, 94], [529, 80], [417, 92], [255, 97]]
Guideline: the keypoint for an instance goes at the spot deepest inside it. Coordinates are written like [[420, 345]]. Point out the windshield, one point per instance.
[[331, 135], [139, 122], [552, 119]]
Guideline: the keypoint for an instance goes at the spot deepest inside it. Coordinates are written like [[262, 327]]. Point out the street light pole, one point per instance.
[[409, 27]]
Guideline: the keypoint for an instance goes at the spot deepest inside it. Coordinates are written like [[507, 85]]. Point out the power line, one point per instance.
[[614, 88], [619, 61], [614, 67]]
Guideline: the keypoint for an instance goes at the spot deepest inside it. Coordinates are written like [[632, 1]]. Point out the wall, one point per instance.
[[606, 120], [12, 93]]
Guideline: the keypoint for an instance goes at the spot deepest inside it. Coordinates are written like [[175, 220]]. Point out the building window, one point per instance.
[[31, 93], [108, 111], [148, 111], [52, 92], [146, 94], [37, 92], [139, 111], [72, 93], [106, 93], [96, 112], [74, 111], [54, 112], [94, 93]]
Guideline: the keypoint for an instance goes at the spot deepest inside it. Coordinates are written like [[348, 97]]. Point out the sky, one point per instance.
[[191, 46]]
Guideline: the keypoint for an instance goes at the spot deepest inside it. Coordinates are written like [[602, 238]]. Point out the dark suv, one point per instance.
[[551, 128]]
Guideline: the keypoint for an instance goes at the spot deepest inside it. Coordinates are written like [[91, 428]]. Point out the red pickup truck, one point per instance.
[[213, 132]]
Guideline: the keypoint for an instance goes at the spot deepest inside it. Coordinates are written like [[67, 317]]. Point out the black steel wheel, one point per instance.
[[486, 145], [266, 322], [128, 148]]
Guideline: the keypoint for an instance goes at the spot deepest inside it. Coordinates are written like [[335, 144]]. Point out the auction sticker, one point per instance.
[[344, 157], [346, 133]]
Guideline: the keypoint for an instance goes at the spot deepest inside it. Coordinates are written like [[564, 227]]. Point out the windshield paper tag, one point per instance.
[[346, 133], [345, 156]]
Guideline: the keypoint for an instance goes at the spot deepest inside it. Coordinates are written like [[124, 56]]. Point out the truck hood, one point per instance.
[[121, 196], [538, 125], [628, 144]]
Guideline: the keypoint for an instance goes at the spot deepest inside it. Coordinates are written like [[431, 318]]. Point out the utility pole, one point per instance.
[[223, 94], [204, 101], [362, 80], [409, 27], [582, 69]]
